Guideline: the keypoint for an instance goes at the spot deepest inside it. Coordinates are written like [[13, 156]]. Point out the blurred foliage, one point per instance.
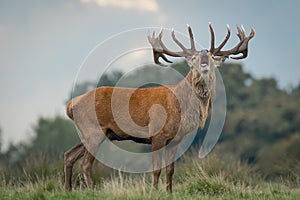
[[51, 138], [262, 125], [107, 79], [53, 135]]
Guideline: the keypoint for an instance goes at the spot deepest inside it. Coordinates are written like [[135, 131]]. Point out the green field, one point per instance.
[[209, 178]]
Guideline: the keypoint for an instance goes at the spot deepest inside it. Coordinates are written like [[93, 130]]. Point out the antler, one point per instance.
[[241, 47], [160, 50]]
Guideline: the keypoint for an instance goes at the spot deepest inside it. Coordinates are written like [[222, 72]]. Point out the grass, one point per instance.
[[210, 178]]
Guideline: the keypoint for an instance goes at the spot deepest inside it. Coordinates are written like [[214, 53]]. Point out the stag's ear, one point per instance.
[[219, 60]]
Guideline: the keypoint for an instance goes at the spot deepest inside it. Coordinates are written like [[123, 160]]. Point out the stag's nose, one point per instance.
[[204, 61]]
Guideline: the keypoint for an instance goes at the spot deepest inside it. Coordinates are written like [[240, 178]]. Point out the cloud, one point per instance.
[[140, 5]]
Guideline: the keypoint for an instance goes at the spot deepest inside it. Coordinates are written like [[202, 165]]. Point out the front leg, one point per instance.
[[157, 144], [170, 162]]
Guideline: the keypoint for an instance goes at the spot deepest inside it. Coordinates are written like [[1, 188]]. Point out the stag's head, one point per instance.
[[204, 61]]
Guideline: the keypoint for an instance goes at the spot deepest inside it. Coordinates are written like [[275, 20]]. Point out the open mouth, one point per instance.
[[204, 64]]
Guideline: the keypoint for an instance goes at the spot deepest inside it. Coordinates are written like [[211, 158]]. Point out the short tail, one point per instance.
[[70, 109]]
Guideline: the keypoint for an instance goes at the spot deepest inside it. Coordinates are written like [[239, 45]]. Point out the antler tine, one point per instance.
[[159, 39], [191, 38], [212, 35], [177, 42], [252, 34], [160, 33], [224, 41], [241, 32]]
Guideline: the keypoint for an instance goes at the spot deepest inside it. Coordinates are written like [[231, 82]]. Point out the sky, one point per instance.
[[44, 43]]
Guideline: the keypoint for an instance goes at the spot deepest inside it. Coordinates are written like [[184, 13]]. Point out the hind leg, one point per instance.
[[70, 157], [86, 166], [92, 147]]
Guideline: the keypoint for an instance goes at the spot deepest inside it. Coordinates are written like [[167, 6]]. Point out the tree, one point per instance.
[[53, 136], [107, 79]]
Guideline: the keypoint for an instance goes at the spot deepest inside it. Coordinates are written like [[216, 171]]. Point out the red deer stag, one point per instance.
[[185, 109]]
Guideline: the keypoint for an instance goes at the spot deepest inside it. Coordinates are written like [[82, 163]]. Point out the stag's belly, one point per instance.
[[111, 135]]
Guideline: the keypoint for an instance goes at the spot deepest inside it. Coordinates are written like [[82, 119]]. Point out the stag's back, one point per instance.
[[142, 106]]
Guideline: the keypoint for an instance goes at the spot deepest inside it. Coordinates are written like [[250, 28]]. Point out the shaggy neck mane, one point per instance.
[[196, 94], [203, 87]]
